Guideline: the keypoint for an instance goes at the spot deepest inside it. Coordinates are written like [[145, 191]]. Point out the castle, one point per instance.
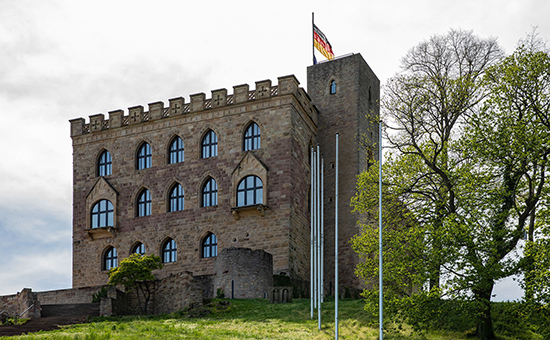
[[192, 181]]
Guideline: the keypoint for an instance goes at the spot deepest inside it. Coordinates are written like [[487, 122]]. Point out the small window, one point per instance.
[[210, 246], [145, 156], [139, 249], [104, 164], [169, 251], [144, 203], [209, 145], [210, 193], [102, 214], [333, 87], [176, 151], [110, 259], [176, 198], [250, 191], [251, 137]]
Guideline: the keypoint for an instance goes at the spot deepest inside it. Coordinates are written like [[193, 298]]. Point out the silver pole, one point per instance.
[[319, 278], [336, 248], [315, 231], [311, 245], [322, 247], [381, 274]]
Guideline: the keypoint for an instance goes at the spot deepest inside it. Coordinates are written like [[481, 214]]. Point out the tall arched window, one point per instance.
[[251, 137], [169, 251], [139, 248], [210, 246], [110, 259], [333, 87], [176, 198], [104, 164], [176, 151], [210, 193], [250, 191], [144, 156], [144, 203], [209, 145], [102, 214]]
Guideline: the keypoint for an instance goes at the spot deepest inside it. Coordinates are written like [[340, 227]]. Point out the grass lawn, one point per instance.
[[244, 319]]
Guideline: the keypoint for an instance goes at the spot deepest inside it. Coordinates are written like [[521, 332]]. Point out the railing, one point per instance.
[[17, 316]]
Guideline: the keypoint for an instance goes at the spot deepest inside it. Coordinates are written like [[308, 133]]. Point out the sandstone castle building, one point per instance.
[[219, 187]]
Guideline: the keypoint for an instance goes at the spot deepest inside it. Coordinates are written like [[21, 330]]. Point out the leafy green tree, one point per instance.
[[468, 169], [136, 272]]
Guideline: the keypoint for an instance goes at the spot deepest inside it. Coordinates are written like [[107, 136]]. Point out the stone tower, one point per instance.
[[346, 93]]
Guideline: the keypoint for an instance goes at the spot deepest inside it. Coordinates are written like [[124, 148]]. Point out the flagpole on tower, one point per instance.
[[313, 37]]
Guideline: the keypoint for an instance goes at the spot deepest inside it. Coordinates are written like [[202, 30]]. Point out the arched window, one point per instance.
[[210, 246], [250, 191], [251, 137], [176, 198], [209, 145], [102, 214], [104, 164], [139, 248], [210, 193], [333, 87], [144, 157], [169, 251], [144, 203], [110, 259], [176, 151]]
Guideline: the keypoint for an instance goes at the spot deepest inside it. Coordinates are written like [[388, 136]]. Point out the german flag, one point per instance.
[[321, 43]]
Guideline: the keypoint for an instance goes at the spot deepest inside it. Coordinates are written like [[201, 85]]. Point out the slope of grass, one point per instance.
[[243, 319]]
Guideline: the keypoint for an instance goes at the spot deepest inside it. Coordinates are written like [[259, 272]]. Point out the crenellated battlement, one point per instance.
[[198, 102]]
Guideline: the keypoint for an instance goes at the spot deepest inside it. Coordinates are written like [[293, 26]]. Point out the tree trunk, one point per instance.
[[485, 322]]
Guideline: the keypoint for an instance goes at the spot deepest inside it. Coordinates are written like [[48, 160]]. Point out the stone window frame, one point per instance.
[[148, 158], [171, 252], [108, 259], [136, 246], [204, 182], [212, 247], [110, 210], [102, 190], [148, 204], [252, 139], [250, 165], [254, 189], [176, 152], [104, 167], [210, 144], [170, 198]]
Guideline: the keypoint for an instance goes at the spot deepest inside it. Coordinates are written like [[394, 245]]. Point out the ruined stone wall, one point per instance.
[[23, 305], [243, 273]]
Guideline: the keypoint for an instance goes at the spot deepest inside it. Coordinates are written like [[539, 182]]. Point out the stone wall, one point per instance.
[[287, 121], [68, 296], [244, 273], [22, 305]]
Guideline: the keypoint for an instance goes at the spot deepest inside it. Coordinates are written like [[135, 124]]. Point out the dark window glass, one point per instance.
[[139, 249], [102, 214], [105, 163], [209, 145], [210, 193], [252, 137], [176, 151], [210, 246], [169, 251], [111, 259], [250, 191], [145, 156], [333, 87], [144, 203], [176, 198]]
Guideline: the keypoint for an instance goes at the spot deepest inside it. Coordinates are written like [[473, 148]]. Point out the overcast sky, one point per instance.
[[67, 59]]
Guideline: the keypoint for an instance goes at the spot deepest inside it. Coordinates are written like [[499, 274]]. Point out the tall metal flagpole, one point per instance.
[[318, 248], [381, 275], [336, 248], [311, 201], [313, 37]]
